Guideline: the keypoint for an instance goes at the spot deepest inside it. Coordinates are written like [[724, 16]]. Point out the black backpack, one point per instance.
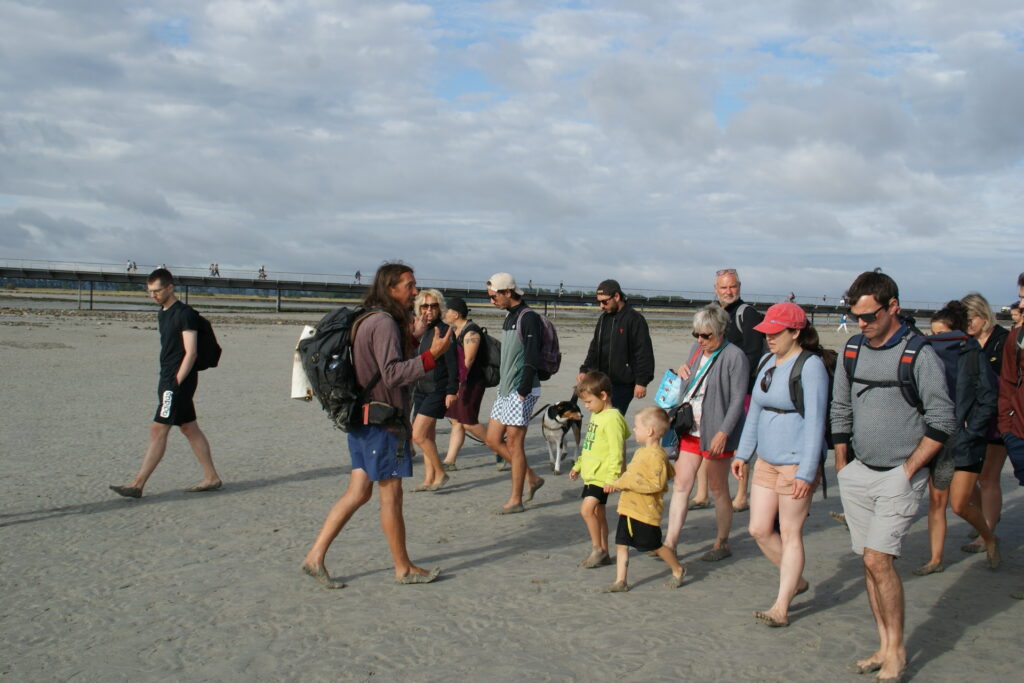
[[487, 364], [208, 350], [327, 359]]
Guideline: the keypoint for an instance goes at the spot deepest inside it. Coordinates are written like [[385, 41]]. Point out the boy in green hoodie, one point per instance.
[[600, 460], [643, 487]]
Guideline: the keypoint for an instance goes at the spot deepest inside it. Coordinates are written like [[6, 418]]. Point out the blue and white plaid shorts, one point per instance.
[[512, 410]]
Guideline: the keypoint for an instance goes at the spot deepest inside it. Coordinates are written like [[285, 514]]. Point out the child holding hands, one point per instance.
[[643, 487], [600, 460]]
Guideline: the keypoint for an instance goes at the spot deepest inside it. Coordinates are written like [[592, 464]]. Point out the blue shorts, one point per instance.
[[379, 453]]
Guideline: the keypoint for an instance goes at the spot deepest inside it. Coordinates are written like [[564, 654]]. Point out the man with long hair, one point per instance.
[[383, 342]]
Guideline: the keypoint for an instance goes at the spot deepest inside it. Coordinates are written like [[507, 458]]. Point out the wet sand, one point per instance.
[[205, 587]]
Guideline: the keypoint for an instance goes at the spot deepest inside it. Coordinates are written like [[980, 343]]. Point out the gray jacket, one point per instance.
[[725, 390]]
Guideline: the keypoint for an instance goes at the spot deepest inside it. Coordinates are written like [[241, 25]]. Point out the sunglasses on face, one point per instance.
[[498, 293], [602, 302], [766, 379], [866, 317], [702, 335], [424, 307]]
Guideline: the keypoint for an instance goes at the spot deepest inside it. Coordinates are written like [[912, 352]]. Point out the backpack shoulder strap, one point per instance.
[[739, 315], [764, 361], [851, 353], [796, 384], [908, 385]]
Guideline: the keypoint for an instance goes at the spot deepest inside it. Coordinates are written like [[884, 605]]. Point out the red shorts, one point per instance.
[[691, 444]]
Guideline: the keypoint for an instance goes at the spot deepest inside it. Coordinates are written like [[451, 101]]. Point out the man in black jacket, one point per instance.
[[621, 347]]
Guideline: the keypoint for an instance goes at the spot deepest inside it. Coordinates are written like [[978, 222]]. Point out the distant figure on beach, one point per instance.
[[621, 347], [384, 346], [740, 331], [561, 288], [790, 443], [519, 389], [643, 486], [792, 297], [128, 266], [842, 323], [358, 278], [893, 441], [216, 270], [529, 286], [262, 273], [178, 325], [465, 412], [212, 270], [600, 462]]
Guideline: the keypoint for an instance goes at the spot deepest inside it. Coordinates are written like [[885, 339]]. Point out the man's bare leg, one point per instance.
[[201, 447], [513, 450], [158, 433], [884, 583], [357, 494], [392, 522]]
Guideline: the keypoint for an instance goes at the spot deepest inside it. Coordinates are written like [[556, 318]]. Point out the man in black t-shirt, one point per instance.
[[178, 325]]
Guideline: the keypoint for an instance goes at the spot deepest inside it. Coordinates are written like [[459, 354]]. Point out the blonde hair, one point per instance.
[[977, 305], [438, 297], [655, 419]]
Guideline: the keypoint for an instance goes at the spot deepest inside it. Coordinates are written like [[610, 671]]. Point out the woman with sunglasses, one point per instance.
[[981, 324], [433, 394], [789, 447], [717, 376]]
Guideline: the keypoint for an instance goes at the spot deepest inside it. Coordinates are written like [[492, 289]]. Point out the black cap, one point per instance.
[[610, 288], [455, 303]]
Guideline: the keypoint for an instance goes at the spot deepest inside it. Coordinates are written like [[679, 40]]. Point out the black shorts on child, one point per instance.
[[643, 537], [595, 491]]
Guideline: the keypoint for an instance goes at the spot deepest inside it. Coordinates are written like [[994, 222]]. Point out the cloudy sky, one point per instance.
[[800, 141]]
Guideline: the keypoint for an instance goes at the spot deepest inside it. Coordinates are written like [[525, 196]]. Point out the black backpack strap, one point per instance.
[[796, 384], [1020, 351], [851, 353], [908, 359]]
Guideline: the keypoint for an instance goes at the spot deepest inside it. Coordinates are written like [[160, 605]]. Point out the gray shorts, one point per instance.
[[880, 506]]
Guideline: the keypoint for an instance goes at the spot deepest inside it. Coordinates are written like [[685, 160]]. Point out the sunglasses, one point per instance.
[[866, 317], [602, 302], [725, 271], [494, 296], [424, 307], [766, 379], [702, 335]]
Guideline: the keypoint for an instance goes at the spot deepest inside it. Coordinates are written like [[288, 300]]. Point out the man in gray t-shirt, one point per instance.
[[893, 441]]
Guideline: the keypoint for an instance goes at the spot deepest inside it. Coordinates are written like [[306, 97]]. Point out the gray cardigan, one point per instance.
[[725, 390]]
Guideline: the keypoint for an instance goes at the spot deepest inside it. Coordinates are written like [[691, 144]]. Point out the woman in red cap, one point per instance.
[[786, 426]]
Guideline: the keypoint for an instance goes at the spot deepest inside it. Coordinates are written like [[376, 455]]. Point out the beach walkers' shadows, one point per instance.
[[116, 502]]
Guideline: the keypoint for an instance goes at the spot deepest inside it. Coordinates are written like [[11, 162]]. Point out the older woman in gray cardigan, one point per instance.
[[717, 375]]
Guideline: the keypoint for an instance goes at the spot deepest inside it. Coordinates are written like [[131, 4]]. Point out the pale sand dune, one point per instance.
[[207, 587]]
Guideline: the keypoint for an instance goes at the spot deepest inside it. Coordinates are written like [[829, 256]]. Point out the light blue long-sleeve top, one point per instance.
[[787, 438]]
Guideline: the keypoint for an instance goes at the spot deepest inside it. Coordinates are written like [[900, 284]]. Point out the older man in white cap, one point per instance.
[[519, 389]]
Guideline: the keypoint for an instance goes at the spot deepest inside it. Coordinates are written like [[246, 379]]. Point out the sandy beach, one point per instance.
[[207, 587]]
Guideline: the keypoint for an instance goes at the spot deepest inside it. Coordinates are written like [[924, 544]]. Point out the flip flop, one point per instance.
[[411, 578], [515, 509], [200, 488], [127, 491], [533, 489]]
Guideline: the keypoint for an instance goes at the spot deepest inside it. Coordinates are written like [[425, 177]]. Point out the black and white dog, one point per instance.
[[559, 419]]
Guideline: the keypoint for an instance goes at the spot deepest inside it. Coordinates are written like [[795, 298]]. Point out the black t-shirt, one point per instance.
[[171, 323]]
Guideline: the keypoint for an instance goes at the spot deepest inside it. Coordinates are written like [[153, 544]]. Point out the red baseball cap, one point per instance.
[[784, 316]]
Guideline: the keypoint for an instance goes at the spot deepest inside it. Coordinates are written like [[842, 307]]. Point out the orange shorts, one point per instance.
[[691, 444], [778, 478]]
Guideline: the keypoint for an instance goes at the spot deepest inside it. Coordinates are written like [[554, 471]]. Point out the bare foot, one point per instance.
[[319, 572], [892, 671], [868, 664], [772, 618], [417, 575], [617, 587], [677, 579]]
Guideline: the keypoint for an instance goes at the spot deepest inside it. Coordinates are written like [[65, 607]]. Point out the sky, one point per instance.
[[651, 141]]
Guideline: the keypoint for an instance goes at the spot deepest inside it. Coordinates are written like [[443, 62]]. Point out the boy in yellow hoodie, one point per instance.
[[600, 460], [643, 487]]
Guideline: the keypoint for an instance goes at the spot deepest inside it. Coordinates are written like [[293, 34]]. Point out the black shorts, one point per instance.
[[594, 491], [428, 405], [174, 401], [974, 468], [639, 535]]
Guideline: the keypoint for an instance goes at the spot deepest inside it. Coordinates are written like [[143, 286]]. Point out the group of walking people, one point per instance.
[[904, 413]]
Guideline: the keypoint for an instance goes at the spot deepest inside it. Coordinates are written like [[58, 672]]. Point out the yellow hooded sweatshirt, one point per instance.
[[644, 484]]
